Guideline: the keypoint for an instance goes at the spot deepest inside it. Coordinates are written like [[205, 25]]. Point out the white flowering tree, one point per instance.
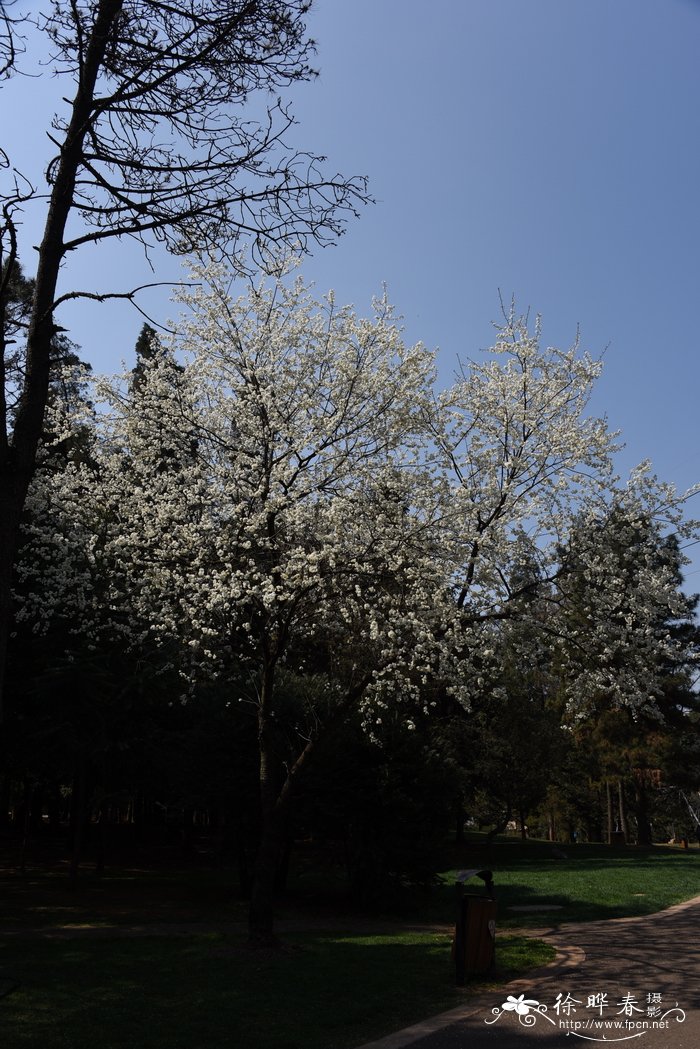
[[280, 492], [254, 501]]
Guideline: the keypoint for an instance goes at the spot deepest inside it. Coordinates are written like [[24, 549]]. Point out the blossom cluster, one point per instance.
[[281, 478]]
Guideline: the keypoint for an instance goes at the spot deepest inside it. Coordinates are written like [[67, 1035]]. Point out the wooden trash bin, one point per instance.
[[474, 949]]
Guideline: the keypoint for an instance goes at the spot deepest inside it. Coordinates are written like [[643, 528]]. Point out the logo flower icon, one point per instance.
[[528, 1010], [520, 1005]]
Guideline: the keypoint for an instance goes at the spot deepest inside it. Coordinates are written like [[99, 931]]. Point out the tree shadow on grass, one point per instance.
[[331, 991]]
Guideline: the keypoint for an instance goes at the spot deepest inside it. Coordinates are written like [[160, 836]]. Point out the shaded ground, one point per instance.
[[197, 903], [647, 969]]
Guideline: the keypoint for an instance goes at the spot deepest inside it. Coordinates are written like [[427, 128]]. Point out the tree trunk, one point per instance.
[[594, 816], [102, 830], [261, 916], [275, 802], [5, 795], [641, 799], [608, 796], [499, 827], [9, 528], [17, 456], [26, 827], [623, 810], [459, 826], [187, 847], [262, 898], [78, 819]]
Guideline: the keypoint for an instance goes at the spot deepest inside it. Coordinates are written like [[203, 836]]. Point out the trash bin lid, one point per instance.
[[485, 875]]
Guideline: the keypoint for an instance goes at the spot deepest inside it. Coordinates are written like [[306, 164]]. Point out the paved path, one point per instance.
[[657, 956]]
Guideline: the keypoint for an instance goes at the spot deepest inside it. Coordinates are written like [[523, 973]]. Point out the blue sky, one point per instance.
[[546, 148]]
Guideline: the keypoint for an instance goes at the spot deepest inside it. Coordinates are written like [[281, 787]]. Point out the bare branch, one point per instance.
[[9, 46], [129, 296]]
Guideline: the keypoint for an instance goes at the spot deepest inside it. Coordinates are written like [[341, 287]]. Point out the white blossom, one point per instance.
[[284, 478]]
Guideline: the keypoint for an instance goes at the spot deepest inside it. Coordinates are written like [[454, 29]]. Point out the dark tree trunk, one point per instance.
[[54, 809], [10, 508], [272, 817], [499, 828], [26, 827], [641, 805], [79, 817], [594, 823], [5, 795], [102, 825], [609, 801], [187, 847], [261, 917], [18, 455], [623, 810], [275, 803]]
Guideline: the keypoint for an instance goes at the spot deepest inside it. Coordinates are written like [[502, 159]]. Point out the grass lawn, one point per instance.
[[587, 883], [327, 991]]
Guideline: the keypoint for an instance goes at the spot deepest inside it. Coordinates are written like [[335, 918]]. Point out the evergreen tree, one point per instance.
[[640, 637]]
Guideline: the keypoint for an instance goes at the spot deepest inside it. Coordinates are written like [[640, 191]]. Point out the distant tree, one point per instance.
[[146, 349], [632, 648], [154, 145], [16, 293], [623, 616]]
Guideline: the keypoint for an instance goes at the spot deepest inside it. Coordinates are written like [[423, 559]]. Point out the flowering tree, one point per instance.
[[279, 493], [253, 502], [517, 458], [152, 145]]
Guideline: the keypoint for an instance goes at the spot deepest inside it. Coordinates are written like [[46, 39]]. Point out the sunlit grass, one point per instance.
[[587, 885]]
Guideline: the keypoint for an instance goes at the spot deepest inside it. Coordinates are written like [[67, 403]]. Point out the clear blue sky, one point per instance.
[[547, 148]]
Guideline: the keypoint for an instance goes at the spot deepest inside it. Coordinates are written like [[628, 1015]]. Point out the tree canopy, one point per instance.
[[280, 499]]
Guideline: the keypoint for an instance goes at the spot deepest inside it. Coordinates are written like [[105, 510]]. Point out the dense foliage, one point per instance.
[[277, 520]]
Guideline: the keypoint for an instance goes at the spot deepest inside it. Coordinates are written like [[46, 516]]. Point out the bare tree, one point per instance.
[[157, 144]]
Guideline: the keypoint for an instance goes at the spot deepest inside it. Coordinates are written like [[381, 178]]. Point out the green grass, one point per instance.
[[591, 882], [326, 991], [587, 883]]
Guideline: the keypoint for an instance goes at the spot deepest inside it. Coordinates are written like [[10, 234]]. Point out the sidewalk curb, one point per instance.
[[568, 959]]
